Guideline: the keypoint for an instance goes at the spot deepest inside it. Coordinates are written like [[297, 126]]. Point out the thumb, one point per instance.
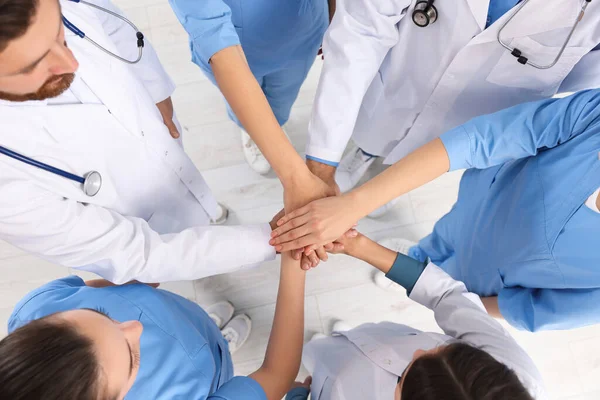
[[172, 129]]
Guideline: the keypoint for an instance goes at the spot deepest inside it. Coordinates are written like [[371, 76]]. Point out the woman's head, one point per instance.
[[459, 372], [79, 354]]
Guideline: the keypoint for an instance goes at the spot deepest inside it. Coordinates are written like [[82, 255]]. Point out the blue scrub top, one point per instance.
[[272, 32], [520, 228], [183, 354]]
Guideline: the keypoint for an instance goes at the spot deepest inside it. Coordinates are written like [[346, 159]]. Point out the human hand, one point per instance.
[[166, 110], [306, 384], [316, 224], [348, 244], [301, 190]]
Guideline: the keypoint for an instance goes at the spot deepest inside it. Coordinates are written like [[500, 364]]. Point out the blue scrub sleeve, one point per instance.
[[521, 131], [406, 271], [36, 299], [549, 309], [239, 388], [299, 393], [208, 24]]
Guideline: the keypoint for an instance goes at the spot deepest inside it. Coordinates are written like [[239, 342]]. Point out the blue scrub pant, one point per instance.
[[281, 55]]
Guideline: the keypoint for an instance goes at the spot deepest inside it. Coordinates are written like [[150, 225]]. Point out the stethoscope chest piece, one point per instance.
[[424, 13], [92, 182]]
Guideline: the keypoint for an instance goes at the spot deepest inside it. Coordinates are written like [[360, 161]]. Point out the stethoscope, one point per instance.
[[140, 36], [92, 181], [426, 14]]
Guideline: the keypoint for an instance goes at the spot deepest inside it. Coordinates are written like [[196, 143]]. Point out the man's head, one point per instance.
[[79, 354], [35, 62], [459, 372]]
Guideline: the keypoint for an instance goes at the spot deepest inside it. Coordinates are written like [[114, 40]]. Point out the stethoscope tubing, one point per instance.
[[41, 165], [73, 28], [562, 49]]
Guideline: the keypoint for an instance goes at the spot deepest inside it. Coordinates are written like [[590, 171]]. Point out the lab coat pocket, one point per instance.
[[509, 73], [373, 95]]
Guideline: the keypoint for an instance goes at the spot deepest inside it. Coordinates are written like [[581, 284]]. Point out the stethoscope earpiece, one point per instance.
[[424, 13]]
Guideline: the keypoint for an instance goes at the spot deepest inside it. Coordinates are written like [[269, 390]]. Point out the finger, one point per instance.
[[352, 233], [328, 247], [291, 235], [296, 244], [308, 380], [295, 223], [294, 214], [338, 247], [172, 129], [314, 260], [322, 254], [296, 254], [305, 263]]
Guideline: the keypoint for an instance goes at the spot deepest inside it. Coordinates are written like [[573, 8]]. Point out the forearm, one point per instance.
[[284, 351], [418, 168], [372, 253], [492, 307], [247, 100]]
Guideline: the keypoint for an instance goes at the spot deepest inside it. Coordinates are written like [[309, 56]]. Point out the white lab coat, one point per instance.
[[394, 86], [150, 220], [366, 362]]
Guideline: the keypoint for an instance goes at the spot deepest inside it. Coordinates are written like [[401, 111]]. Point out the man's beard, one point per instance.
[[53, 87]]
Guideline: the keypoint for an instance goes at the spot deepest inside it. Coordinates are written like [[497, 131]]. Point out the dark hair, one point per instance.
[[15, 18], [48, 359], [461, 372]]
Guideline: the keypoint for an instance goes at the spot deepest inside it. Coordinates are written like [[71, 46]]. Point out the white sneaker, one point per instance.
[[237, 331], [340, 326], [352, 168], [254, 157], [220, 313], [222, 215], [401, 246], [384, 209]]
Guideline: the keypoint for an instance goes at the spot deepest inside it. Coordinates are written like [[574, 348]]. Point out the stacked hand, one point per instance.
[[297, 193], [309, 227]]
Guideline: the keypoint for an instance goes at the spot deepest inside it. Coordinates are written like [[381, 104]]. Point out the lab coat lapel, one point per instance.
[[479, 8], [110, 80], [537, 16]]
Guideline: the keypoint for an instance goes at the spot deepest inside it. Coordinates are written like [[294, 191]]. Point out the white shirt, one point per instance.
[[592, 202], [365, 362]]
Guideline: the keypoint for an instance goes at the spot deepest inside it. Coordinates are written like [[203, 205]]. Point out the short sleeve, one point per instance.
[[208, 24], [239, 388], [38, 299]]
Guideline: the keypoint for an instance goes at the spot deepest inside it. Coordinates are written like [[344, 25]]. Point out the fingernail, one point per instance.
[[305, 267], [278, 248], [280, 222]]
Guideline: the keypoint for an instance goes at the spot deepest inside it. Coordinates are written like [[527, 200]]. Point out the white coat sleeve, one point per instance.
[[585, 75], [121, 248], [359, 38], [149, 69], [462, 315]]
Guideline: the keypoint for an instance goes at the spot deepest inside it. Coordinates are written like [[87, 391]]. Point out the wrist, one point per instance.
[[323, 171]]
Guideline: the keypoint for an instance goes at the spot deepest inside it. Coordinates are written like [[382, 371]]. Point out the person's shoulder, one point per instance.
[[239, 388], [39, 298]]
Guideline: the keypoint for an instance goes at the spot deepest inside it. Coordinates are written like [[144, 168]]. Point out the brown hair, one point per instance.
[[15, 18], [48, 359], [461, 372]]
